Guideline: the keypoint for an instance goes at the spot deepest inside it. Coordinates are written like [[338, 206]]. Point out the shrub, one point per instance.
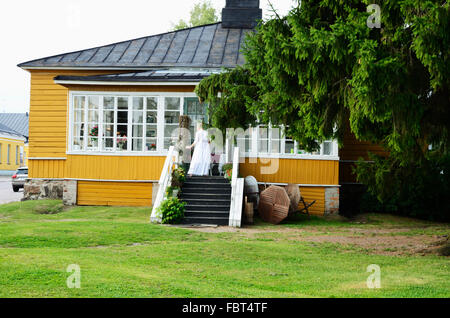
[[415, 189], [172, 211]]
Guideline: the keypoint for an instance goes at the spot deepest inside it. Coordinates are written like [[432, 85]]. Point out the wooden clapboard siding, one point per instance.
[[314, 193], [114, 193], [99, 168], [353, 149], [301, 171]]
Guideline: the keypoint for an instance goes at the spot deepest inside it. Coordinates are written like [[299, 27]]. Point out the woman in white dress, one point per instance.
[[201, 159]]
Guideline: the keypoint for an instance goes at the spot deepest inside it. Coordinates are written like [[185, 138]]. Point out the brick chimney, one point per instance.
[[242, 14]]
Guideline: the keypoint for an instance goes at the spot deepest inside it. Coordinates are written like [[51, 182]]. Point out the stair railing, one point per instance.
[[170, 164], [237, 192]]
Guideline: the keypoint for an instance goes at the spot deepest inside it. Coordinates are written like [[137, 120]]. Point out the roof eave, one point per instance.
[[129, 83]]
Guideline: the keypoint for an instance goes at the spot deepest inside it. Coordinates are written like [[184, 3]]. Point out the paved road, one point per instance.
[[6, 193]]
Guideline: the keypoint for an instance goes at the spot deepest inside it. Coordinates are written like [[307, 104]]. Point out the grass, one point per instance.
[[121, 255]]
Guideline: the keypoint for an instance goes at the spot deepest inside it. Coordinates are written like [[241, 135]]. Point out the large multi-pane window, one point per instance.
[[266, 140], [118, 123], [147, 123]]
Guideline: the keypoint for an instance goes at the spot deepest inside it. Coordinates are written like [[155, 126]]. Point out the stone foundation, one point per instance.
[[41, 189], [331, 201]]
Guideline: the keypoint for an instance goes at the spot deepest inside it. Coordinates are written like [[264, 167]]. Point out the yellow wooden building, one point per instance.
[[13, 151], [101, 119]]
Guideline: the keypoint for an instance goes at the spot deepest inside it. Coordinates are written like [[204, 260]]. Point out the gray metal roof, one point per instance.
[[5, 129], [147, 76], [15, 122], [207, 46]]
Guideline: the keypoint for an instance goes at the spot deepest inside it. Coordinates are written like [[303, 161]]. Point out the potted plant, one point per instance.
[[228, 171], [178, 177], [94, 133]]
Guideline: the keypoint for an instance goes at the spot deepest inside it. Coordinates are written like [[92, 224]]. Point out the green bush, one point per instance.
[[172, 211], [415, 189]]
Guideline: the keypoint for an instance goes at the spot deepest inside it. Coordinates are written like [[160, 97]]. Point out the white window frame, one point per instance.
[[160, 96], [253, 153]]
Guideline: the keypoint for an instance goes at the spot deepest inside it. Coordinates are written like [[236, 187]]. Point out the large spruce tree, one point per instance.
[[322, 67]]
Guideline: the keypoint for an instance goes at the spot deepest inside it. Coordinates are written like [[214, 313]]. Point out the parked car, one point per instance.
[[19, 178]]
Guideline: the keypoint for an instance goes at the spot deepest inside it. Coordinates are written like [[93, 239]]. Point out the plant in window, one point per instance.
[[94, 133], [121, 141], [171, 211]]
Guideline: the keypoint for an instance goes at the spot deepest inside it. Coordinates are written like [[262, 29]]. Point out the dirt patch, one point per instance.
[[377, 241]]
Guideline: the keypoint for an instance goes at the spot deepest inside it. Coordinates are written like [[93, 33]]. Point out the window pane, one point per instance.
[[108, 130], [108, 102], [79, 102], [263, 133], [122, 103], [151, 144], [122, 117], [276, 133], [122, 130], [172, 117], [92, 143], [152, 103], [108, 144], [263, 146], [122, 144], [289, 147], [93, 102], [93, 116], [78, 130], [152, 117], [138, 117], [79, 116], [137, 144], [93, 130], [108, 117], [276, 146], [327, 148], [138, 131], [78, 143], [151, 131], [170, 130], [138, 103], [172, 103]]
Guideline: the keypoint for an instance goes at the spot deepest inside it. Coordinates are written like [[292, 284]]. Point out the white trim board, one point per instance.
[[109, 83], [303, 185], [96, 180], [46, 158]]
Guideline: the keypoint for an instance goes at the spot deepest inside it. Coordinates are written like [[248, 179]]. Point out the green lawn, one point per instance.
[[121, 255]]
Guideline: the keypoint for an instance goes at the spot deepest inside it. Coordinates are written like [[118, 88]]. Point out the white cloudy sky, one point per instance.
[[32, 29]]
